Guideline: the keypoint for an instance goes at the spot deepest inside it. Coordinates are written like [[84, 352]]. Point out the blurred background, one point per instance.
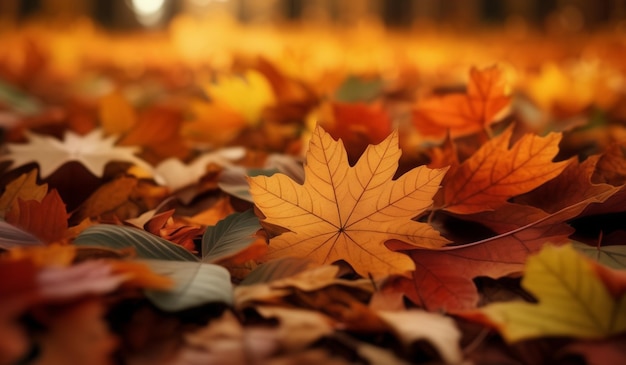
[[545, 15]]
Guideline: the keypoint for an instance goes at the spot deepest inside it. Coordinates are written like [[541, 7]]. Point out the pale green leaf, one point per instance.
[[611, 256], [195, 284]]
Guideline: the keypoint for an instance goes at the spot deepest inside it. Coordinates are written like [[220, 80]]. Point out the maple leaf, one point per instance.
[[106, 198], [356, 124], [92, 151], [25, 187], [572, 185], [157, 131], [442, 280], [212, 123], [248, 94], [496, 172], [47, 220], [487, 98], [572, 300], [343, 212]]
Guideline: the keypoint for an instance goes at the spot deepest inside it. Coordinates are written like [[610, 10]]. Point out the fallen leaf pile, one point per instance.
[[268, 197]]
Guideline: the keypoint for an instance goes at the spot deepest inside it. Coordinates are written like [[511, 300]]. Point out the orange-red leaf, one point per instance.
[[357, 125], [157, 130], [572, 185], [487, 98], [495, 173], [47, 220], [442, 280]]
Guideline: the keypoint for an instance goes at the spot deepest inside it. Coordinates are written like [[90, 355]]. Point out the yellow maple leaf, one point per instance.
[[248, 94], [573, 300], [347, 213]]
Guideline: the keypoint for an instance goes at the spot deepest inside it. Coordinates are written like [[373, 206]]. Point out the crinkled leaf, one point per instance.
[[146, 245]]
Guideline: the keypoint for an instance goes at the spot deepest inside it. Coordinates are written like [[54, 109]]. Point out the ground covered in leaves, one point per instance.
[[215, 194]]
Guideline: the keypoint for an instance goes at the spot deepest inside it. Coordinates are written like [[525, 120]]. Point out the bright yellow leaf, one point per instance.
[[573, 300], [248, 94], [347, 213]]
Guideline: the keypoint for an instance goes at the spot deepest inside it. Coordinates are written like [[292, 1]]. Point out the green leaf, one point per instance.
[[229, 236], [573, 300], [18, 100], [611, 256], [355, 89], [276, 269], [147, 245], [196, 284]]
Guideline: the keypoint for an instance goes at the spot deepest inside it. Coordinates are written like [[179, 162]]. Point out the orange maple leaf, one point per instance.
[[487, 99], [572, 185], [496, 172], [47, 220], [347, 213], [24, 187], [158, 131], [356, 124]]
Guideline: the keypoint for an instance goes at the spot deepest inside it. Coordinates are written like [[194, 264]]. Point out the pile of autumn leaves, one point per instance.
[[360, 240]]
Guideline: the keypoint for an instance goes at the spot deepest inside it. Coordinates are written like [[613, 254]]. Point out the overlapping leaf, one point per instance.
[[487, 98], [343, 212], [496, 172], [572, 301], [91, 150]]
